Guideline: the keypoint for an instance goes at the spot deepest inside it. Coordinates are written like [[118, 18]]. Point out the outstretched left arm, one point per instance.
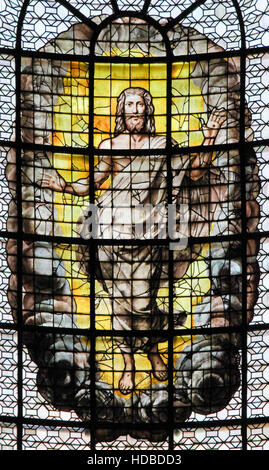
[[201, 162]]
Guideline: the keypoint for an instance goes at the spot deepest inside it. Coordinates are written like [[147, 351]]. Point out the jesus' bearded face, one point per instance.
[[134, 113]]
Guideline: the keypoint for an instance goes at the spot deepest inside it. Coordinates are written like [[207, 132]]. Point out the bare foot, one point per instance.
[[159, 369], [126, 383]]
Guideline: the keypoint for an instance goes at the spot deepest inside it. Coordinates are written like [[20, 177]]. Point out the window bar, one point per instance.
[[146, 7], [183, 57], [107, 241], [115, 6], [19, 224], [92, 249], [171, 332], [165, 333], [184, 14], [84, 151], [244, 335], [84, 19]]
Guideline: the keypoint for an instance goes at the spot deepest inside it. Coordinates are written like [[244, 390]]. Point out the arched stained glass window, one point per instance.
[[134, 231]]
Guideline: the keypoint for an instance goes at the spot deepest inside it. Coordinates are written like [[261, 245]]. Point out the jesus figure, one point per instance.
[[133, 274]]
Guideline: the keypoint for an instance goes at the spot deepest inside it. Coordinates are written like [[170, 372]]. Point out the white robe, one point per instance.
[[133, 274]]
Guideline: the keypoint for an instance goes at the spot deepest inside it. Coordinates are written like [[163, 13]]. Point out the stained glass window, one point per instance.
[[134, 227]]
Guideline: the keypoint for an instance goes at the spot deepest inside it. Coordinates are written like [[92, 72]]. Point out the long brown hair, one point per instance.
[[149, 127]]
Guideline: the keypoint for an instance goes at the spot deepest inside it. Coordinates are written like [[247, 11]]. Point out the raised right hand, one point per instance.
[[56, 183]]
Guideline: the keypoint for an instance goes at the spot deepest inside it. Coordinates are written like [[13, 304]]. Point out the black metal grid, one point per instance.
[[20, 420]]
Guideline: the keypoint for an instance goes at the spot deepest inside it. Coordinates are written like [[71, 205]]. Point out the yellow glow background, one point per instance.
[[71, 128]]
